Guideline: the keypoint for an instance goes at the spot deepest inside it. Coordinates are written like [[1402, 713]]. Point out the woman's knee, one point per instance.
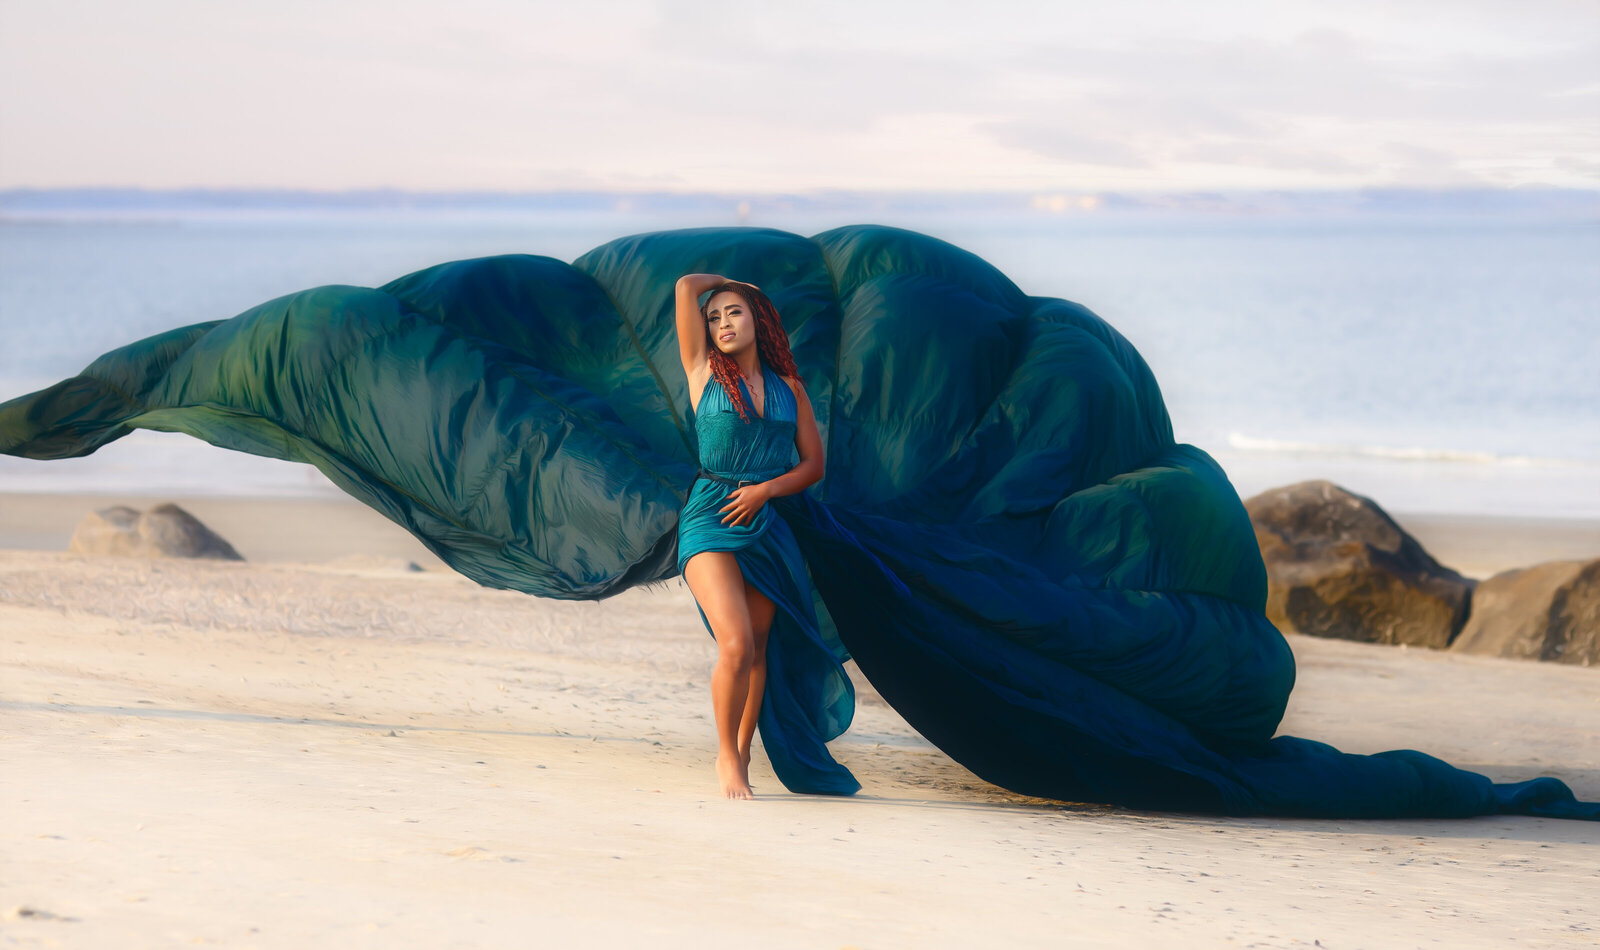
[[738, 650]]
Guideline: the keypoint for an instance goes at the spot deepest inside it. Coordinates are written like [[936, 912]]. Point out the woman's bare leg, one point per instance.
[[718, 588], [761, 611]]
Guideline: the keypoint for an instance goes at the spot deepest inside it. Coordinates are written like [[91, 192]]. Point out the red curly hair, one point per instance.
[[772, 344]]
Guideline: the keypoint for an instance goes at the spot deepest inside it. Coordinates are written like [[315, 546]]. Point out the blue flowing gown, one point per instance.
[[808, 699], [1009, 540]]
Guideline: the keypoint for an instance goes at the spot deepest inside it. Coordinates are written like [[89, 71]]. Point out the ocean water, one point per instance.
[[1435, 365]]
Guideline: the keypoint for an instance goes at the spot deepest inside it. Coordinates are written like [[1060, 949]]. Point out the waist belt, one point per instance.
[[736, 483]]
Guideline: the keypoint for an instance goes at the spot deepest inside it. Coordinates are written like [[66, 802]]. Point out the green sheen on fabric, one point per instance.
[[1008, 541]]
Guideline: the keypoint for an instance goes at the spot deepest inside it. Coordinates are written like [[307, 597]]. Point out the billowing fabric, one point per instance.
[[809, 698], [1009, 541]]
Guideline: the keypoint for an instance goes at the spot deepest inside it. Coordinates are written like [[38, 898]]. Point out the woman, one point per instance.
[[751, 416]]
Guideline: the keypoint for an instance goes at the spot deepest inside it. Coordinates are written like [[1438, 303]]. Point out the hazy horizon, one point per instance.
[[1524, 202]]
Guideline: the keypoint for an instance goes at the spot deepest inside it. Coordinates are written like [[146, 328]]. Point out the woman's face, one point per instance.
[[730, 323]]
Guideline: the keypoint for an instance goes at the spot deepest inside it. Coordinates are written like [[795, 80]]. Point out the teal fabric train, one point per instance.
[[1008, 541]]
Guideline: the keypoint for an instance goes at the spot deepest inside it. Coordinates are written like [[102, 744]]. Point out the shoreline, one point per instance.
[[307, 530], [263, 529]]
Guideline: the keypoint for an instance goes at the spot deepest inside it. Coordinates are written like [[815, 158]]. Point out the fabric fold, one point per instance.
[[1009, 540]]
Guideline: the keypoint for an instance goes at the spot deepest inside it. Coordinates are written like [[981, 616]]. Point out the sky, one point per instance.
[[799, 96]]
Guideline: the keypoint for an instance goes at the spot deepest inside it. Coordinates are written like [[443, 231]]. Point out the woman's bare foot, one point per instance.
[[735, 778]]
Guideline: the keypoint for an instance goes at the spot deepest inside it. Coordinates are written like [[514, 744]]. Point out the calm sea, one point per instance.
[[1437, 366]]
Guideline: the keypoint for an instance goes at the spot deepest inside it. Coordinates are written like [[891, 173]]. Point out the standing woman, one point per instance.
[[758, 440]]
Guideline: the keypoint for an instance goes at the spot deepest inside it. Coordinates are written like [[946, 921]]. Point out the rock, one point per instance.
[[374, 563], [1338, 566], [164, 531], [1549, 611]]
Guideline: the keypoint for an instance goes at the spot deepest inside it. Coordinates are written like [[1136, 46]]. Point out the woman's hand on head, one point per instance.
[[743, 503]]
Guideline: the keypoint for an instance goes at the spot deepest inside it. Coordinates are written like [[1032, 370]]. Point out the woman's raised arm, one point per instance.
[[691, 325]]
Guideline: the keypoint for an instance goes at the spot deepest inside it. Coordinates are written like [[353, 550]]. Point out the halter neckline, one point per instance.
[[766, 403]]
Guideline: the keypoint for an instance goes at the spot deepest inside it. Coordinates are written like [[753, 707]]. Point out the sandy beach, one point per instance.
[[321, 746]]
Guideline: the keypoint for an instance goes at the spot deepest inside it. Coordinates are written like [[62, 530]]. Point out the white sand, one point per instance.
[[279, 754]]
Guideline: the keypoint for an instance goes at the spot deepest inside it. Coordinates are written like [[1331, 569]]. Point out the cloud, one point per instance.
[[1327, 103], [1053, 140], [1254, 154], [815, 94], [1588, 168]]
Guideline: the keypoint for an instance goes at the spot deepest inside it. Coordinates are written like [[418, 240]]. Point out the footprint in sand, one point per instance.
[[21, 912], [474, 853]]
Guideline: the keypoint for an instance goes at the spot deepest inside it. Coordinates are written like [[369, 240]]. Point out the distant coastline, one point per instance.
[[43, 204]]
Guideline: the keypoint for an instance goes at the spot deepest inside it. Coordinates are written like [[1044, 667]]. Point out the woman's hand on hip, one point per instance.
[[743, 503]]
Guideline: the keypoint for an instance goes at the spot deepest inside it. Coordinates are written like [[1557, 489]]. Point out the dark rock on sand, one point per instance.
[[1549, 611], [1338, 566], [163, 531], [374, 562]]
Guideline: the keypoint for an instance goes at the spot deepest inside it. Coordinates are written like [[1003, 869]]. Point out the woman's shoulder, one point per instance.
[[796, 387]]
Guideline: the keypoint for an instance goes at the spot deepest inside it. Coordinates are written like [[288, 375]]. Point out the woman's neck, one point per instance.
[[749, 363]]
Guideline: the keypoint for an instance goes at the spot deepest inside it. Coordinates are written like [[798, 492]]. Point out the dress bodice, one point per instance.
[[759, 449]]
